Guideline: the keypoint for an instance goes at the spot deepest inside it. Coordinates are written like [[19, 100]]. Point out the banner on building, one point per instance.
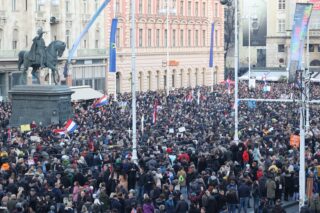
[[255, 16], [299, 31], [211, 46]]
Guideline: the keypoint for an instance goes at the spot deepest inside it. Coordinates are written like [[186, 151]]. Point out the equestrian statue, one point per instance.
[[40, 57]]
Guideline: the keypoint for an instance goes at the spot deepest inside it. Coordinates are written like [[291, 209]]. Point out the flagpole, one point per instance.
[[236, 64], [133, 83], [168, 57], [115, 73], [309, 82]]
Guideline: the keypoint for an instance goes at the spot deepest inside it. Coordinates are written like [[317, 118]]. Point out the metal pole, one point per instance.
[[249, 39], [115, 73], [168, 67], [236, 63], [302, 173], [133, 83], [308, 83]]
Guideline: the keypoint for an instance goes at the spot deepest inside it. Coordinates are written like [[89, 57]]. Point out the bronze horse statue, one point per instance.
[[52, 52]]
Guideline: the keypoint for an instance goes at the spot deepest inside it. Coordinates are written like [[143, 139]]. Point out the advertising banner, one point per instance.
[[299, 31]]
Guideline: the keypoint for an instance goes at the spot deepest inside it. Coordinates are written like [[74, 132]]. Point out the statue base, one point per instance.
[[45, 105]]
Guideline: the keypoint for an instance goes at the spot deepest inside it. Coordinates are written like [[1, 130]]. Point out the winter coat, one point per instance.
[[148, 208], [182, 207], [271, 189]]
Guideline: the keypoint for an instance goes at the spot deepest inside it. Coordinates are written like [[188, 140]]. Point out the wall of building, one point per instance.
[[191, 55]]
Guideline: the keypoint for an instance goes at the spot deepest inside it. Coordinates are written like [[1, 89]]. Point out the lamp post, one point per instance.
[[133, 83], [236, 64], [167, 11]]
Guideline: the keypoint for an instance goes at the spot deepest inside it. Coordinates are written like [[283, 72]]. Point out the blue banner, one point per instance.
[[82, 34], [112, 48], [299, 30], [211, 46]]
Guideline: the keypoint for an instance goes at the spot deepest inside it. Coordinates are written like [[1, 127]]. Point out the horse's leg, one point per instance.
[[23, 77], [34, 74]]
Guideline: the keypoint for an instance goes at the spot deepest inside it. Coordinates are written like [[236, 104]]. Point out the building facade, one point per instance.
[[62, 20], [188, 39], [280, 21]]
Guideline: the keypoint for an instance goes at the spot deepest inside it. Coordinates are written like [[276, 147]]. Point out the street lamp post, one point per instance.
[[236, 64]]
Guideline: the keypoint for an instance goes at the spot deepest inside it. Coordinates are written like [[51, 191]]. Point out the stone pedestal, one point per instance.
[[40, 103]]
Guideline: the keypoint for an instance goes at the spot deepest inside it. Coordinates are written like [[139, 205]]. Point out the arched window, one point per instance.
[[118, 79], [196, 75], [15, 36], [158, 79], [204, 76], [1, 38], [149, 80], [189, 77]]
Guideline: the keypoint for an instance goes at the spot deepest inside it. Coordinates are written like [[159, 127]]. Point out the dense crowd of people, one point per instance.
[[187, 158]]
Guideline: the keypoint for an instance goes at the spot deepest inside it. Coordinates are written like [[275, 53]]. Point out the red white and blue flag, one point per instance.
[[70, 126], [101, 101], [61, 132]]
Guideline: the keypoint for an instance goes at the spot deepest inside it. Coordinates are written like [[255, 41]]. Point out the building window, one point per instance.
[[158, 6], [189, 8], [14, 5], [158, 38], [181, 8], [149, 7], [196, 8], [67, 6], [118, 37], [68, 39], [203, 38], [96, 4], [216, 9], [216, 38], [140, 37], [204, 9], [281, 4], [165, 37], [281, 48], [181, 38], [311, 47], [117, 6], [173, 38], [149, 37], [85, 7], [189, 38], [281, 25], [196, 40], [140, 7], [15, 37], [85, 43]]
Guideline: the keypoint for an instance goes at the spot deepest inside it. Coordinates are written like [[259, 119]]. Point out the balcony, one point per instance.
[[69, 16], [91, 52], [3, 17], [40, 16]]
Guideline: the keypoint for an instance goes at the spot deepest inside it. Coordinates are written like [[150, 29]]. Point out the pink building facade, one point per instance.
[[189, 44]]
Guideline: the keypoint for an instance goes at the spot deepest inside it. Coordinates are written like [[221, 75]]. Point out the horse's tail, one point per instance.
[[21, 59]]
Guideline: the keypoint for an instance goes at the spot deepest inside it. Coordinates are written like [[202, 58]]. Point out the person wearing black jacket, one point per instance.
[[256, 194], [182, 205], [244, 194]]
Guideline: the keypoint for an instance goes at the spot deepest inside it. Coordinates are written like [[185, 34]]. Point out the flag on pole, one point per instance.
[[112, 48], [155, 109], [82, 34], [71, 126], [211, 46], [101, 101]]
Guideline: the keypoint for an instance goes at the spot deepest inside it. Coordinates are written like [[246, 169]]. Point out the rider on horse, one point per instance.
[[38, 49]]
